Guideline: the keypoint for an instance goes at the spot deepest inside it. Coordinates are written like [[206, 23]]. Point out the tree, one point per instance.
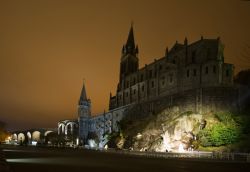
[[243, 77], [3, 132]]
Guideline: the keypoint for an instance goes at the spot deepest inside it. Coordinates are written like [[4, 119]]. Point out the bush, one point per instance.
[[219, 134]]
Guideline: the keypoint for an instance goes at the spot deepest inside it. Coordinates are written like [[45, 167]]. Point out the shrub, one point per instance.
[[219, 134]]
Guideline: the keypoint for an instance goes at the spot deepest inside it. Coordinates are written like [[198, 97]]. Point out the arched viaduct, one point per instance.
[[31, 136]]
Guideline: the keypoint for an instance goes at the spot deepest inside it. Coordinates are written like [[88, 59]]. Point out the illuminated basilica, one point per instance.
[[189, 76]]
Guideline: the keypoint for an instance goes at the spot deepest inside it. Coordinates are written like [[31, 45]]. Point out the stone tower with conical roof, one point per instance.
[[84, 113]]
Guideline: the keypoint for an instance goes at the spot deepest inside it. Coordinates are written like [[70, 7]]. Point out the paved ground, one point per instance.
[[44, 159], [4, 167]]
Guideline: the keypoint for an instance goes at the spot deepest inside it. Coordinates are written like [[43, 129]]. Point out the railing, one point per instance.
[[223, 156]]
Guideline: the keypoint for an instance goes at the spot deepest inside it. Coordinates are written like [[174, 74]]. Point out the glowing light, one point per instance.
[[181, 149], [77, 141], [166, 143], [34, 143], [139, 136], [92, 143]]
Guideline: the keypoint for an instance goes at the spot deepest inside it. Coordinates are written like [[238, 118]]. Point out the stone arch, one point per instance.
[[36, 135], [29, 135], [47, 132], [68, 128], [20, 137], [14, 137], [61, 128]]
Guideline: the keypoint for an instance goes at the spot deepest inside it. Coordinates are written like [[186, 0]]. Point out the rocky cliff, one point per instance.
[[174, 131]]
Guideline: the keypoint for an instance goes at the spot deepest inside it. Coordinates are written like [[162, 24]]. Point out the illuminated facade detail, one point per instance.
[[68, 127]]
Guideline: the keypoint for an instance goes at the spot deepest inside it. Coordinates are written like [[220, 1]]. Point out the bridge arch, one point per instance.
[[21, 137], [61, 128], [47, 132], [14, 137], [36, 136], [29, 135]]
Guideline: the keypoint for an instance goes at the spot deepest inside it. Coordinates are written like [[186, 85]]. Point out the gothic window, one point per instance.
[[126, 94], [142, 88], [134, 91], [160, 67], [134, 81], [227, 73], [194, 72], [188, 73], [206, 70], [214, 69], [208, 52], [141, 77], [171, 78], [163, 80], [193, 56], [152, 84], [150, 74], [174, 59]]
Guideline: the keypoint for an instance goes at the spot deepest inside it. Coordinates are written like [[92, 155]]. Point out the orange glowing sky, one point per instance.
[[47, 47]]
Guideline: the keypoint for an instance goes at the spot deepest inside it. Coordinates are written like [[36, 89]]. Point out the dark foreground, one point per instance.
[[48, 160]]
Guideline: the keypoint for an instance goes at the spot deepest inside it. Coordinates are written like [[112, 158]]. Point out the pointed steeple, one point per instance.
[[130, 45], [83, 96]]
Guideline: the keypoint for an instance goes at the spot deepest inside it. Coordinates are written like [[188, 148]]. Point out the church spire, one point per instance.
[[83, 96], [130, 45]]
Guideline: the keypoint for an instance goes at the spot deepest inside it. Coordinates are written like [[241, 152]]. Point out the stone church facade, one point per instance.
[[189, 77], [184, 67]]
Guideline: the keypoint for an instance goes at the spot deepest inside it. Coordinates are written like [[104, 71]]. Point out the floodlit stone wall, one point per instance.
[[184, 67]]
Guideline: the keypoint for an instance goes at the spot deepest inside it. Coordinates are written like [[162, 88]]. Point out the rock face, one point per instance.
[[180, 133], [167, 131]]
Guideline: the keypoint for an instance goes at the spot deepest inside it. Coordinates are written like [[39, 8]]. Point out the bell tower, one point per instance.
[[84, 113], [129, 59]]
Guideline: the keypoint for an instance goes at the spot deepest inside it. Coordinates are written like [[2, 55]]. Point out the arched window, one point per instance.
[[193, 56], [188, 73], [194, 72], [214, 69], [152, 84], [206, 70]]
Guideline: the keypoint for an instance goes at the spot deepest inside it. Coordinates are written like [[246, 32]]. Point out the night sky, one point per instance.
[[48, 47]]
